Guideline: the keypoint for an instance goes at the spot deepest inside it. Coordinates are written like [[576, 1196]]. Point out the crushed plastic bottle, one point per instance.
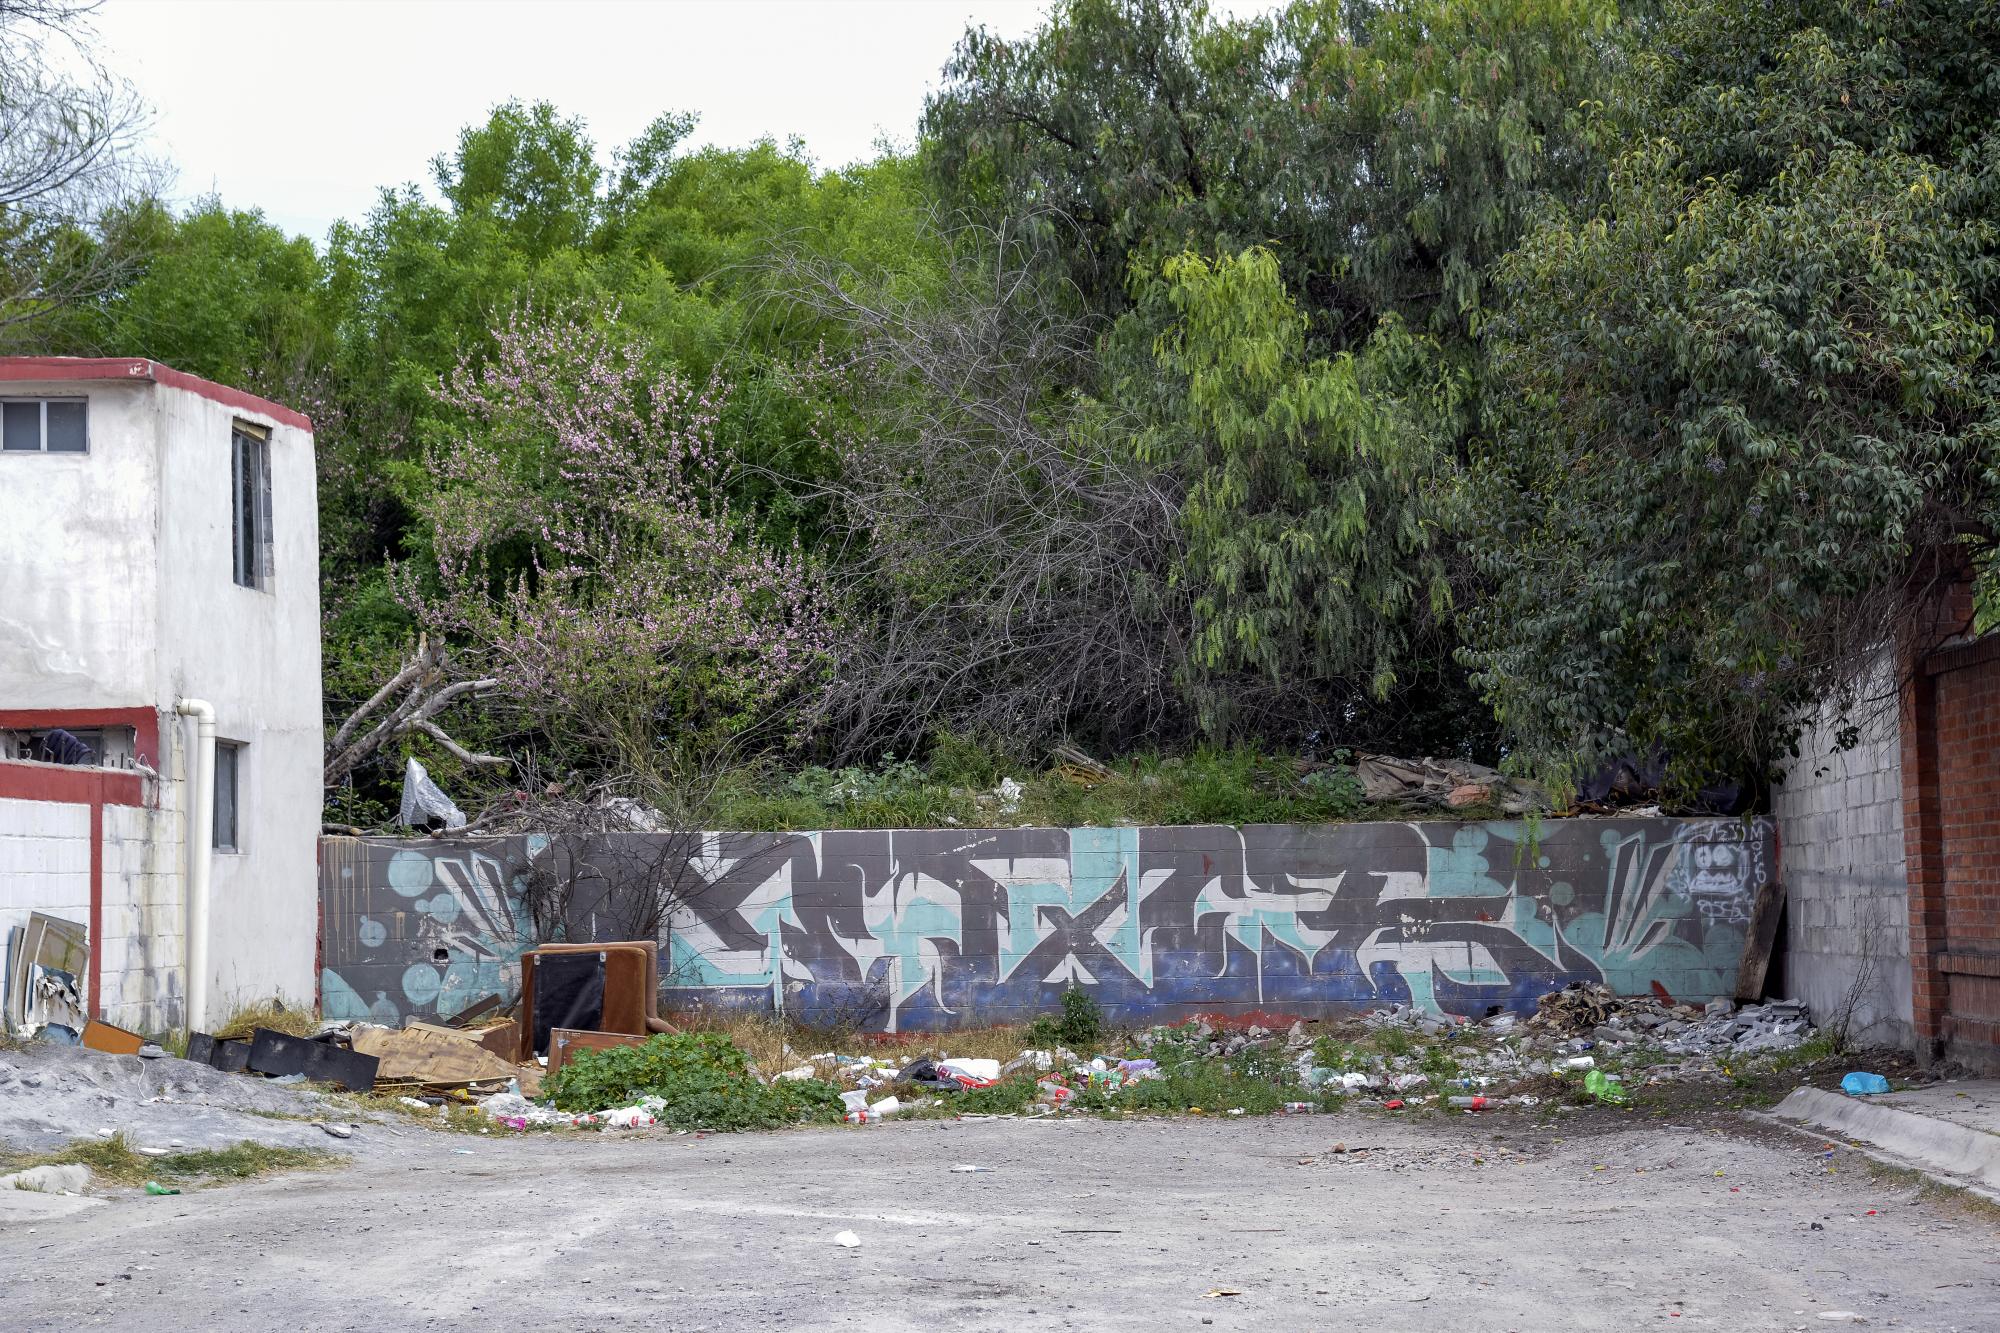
[[156, 1188]]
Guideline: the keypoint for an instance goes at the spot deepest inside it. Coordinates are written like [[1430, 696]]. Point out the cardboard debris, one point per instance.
[[428, 1054]]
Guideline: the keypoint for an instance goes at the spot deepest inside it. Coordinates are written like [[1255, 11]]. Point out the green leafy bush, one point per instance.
[[1079, 1027], [704, 1079]]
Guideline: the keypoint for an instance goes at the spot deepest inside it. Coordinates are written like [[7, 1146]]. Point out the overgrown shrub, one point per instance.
[[1078, 1027], [703, 1078]]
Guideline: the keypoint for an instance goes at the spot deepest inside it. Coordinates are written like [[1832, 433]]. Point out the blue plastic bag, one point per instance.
[[1863, 1085]]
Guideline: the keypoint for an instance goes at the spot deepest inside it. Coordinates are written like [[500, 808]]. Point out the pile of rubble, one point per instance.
[[1718, 1028]]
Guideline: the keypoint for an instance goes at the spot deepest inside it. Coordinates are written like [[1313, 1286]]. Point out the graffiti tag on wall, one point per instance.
[[419, 927], [921, 930]]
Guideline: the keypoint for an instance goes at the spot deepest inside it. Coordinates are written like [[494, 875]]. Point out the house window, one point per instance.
[[250, 504], [44, 426], [228, 791]]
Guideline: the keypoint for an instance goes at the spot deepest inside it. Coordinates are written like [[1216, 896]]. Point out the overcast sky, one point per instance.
[[305, 108]]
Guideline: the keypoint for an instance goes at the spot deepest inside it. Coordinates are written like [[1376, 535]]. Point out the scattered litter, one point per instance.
[[966, 1169], [156, 1188], [1859, 1084], [338, 1131], [1220, 1291], [847, 1240]]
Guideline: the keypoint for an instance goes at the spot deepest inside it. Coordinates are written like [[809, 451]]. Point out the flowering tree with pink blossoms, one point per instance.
[[586, 553]]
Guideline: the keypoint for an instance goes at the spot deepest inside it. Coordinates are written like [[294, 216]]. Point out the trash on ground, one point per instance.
[[1860, 1084], [847, 1240], [156, 1188]]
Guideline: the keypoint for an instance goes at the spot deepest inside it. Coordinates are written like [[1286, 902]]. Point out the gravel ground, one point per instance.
[[52, 1094], [1464, 1223]]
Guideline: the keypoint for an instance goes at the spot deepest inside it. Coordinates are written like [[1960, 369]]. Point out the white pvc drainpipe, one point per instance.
[[200, 834]]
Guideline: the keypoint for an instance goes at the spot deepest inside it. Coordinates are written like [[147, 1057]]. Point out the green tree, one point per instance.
[[1314, 485], [1751, 402]]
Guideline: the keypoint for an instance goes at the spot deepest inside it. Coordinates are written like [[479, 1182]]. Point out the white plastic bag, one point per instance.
[[424, 800]]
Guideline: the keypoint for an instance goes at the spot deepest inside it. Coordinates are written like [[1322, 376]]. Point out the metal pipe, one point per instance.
[[200, 838]]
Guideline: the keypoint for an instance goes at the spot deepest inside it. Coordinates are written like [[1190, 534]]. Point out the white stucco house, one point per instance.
[[159, 590]]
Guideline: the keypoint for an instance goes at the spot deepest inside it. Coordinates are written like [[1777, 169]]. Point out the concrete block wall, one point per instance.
[[1839, 812], [44, 866], [922, 930], [143, 950]]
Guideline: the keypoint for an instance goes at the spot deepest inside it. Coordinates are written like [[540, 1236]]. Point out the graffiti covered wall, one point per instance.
[[915, 930], [419, 928]]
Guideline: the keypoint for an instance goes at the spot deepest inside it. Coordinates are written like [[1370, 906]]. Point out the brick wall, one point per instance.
[[1952, 839], [1846, 947]]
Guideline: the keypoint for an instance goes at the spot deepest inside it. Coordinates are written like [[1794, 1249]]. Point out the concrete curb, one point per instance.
[[1933, 1145]]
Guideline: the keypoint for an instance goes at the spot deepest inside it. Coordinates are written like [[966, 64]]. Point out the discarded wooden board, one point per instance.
[[115, 1041], [565, 1042], [478, 1009], [1758, 942], [429, 1055]]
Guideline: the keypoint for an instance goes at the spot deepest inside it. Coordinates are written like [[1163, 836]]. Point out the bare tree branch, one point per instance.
[[71, 166], [423, 679]]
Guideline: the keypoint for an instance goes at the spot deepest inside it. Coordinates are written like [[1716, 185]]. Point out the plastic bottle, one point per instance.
[[1301, 1108], [155, 1187], [1470, 1103]]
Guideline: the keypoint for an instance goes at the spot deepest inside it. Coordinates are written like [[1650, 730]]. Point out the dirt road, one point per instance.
[[1462, 1225]]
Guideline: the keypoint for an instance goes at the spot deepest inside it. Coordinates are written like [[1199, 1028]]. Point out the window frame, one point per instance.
[[250, 462], [42, 401], [234, 846]]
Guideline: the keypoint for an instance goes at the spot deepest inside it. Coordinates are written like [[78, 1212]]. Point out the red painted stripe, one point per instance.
[[23, 780], [145, 724], [67, 369]]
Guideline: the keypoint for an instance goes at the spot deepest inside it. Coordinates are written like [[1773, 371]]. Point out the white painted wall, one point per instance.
[[1840, 839], [79, 571], [254, 654], [116, 592]]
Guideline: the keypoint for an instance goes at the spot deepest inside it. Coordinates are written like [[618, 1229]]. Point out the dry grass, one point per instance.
[[115, 1161], [765, 1039], [292, 1020]]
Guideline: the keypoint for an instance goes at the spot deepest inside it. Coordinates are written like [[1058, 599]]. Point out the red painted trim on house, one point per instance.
[[145, 724], [95, 369], [24, 780]]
